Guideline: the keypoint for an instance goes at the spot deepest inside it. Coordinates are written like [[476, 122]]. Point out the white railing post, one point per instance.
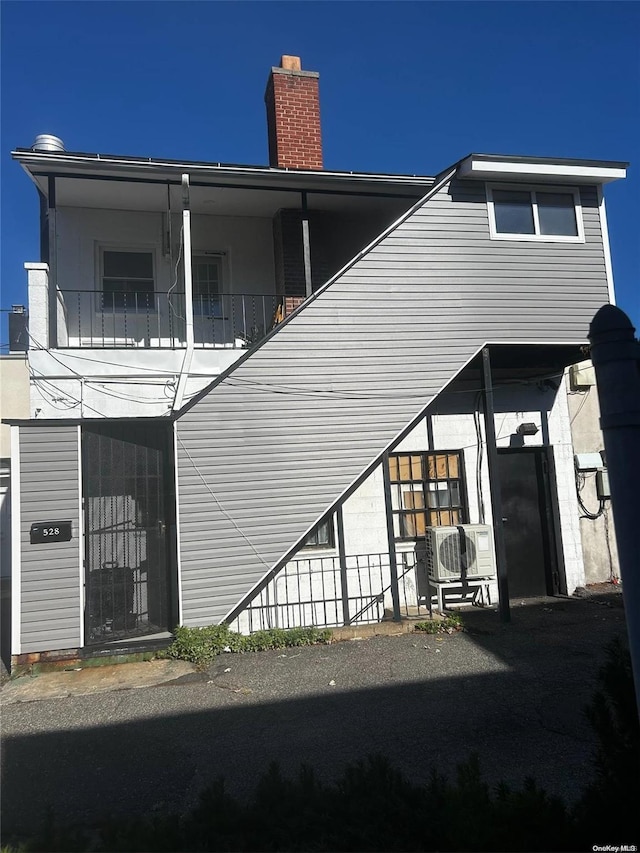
[[38, 289]]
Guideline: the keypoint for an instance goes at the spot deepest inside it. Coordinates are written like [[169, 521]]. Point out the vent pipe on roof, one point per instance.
[[47, 142]]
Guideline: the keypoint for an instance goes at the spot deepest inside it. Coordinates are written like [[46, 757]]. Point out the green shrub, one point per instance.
[[372, 806], [609, 805], [202, 645], [448, 625]]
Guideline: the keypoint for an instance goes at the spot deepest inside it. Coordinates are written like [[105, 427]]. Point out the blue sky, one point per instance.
[[406, 87]]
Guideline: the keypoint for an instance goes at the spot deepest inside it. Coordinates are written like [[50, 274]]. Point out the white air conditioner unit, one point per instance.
[[457, 553]]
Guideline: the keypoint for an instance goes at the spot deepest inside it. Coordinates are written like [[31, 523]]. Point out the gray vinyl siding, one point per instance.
[[265, 453], [50, 574]]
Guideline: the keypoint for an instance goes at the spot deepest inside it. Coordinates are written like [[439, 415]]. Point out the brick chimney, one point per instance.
[[293, 116]]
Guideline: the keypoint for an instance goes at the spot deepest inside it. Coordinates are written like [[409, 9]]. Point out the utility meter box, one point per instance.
[[582, 376], [588, 461], [602, 485]]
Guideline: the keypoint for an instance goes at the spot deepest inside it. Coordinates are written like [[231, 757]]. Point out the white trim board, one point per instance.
[[604, 227], [81, 578], [474, 167], [176, 478], [16, 543]]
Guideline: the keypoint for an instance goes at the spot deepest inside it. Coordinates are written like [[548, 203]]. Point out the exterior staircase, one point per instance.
[[292, 428]]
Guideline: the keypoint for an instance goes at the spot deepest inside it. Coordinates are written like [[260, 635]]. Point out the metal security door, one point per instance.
[[128, 506], [532, 565]]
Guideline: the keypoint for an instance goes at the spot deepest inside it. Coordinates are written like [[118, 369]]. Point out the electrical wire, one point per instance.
[[40, 380], [613, 577], [479, 455], [175, 280], [586, 513], [81, 378], [126, 397], [76, 356], [220, 507], [290, 390], [582, 402]]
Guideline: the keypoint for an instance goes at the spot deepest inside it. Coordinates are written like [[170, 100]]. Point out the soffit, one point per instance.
[[214, 201]]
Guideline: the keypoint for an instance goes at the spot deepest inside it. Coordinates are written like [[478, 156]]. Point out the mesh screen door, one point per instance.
[[126, 500]]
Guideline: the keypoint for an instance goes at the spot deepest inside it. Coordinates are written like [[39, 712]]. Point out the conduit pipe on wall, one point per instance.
[[188, 296]]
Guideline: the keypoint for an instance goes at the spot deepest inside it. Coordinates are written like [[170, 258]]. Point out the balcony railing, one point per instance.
[[91, 319]]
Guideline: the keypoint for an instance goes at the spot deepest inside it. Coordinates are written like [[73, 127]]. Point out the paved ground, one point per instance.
[[512, 693]]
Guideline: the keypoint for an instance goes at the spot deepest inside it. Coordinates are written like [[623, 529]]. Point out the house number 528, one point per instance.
[[51, 531]]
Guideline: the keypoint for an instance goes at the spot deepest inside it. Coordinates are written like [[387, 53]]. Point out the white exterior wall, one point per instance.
[[14, 403], [453, 428], [599, 545], [89, 383], [132, 381], [247, 242]]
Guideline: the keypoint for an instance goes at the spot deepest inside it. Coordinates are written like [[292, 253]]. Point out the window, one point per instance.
[[321, 537], [207, 277], [127, 279], [427, 490], [535, 214]]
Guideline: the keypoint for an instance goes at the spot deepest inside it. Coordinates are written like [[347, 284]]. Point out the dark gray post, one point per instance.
[[616, 357], [343, 566], [393, 560], [494, 485], [306, 247], [52, 260]]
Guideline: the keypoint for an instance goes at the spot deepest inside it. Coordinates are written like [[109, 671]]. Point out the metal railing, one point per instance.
[[313, 591], [91, 319]]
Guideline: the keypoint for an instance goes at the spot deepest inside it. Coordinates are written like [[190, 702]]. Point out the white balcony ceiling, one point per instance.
[[212, 201]]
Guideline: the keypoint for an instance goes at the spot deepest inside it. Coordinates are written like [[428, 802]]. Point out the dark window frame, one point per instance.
[[127, 293], [312, 540], [405, 526]]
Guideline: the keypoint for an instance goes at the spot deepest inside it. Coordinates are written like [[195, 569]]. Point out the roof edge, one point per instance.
[[27, 157], [558, 169]]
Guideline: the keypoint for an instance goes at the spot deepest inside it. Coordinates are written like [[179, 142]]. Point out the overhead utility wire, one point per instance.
[[219, 505]]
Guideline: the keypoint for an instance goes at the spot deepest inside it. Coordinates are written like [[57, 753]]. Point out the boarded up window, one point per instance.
[[427, 490]]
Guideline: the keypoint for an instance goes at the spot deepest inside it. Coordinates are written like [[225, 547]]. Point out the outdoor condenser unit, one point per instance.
[[456, 553]]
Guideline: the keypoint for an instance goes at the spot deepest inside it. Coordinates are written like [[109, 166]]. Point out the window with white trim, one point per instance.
[[127, 279], [535, 213], [206, 274]]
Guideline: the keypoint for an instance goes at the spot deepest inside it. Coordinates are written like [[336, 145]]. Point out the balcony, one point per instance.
[[85, 319], [140, 319]]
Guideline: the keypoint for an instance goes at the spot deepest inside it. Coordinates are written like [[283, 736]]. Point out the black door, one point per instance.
[[129, 512], [527, 509]]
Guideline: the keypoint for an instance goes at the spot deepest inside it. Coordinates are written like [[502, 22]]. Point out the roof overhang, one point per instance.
[[144, 184], [64, 163], [531, 169]]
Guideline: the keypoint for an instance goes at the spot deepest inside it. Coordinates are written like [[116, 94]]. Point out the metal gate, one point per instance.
[[128, 503]]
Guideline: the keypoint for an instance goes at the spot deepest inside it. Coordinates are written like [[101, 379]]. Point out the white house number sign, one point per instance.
[[50, 531]]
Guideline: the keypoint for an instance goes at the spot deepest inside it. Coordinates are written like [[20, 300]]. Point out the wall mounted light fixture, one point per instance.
[[527, 429]]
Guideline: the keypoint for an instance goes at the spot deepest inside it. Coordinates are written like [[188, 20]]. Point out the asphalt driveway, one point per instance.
[[514, 694]]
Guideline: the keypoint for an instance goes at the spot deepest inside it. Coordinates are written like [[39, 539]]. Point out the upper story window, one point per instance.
[[535, 214], [206, 272], [127, 279], [427, 490]]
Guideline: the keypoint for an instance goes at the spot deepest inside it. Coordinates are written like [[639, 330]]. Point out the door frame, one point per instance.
[[170, 539], [555, 574]]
